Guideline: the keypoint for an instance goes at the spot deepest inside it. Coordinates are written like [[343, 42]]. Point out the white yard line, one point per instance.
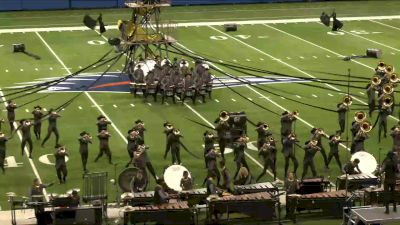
[[197, 24], [386, 25], [86, 93], [370, 40], [33, 166]]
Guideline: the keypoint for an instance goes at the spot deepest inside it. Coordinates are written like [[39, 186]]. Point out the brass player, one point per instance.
[[287, 120], [168, 128], [222, 127], [371, 89], [25, 127], [334, 141], [104, 137], [134, 140], [139, 126], [311, 148], [11, 106], [52, 117], [3, 148], [174, 141], [268, 153], [316, 134], [239, 146], [102, 123], [212, 166], [37, 122], [384, 112], [342, 108], [209, 140], [263, 132], [84, 140], [288, 151], [61, 166]]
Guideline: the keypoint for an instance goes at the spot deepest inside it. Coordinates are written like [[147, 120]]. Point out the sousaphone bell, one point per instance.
[[360, 116], [388, 89], [224, 116], [366, 126]]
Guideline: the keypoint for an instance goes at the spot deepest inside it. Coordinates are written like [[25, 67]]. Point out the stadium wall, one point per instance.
[[8, 5]]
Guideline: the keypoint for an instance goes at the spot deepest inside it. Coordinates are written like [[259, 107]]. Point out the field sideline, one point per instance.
[[304, 49]]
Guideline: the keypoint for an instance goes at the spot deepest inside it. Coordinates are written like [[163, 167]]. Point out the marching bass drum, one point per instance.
[[125, 178], [173, 175], [368, 164]]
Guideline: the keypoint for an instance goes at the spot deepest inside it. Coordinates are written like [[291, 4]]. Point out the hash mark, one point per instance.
[[132, 105], [234, 100], [315, 57], [328, 56], [393, 53], [220, 61], [250, 99], [149, 103], [51, 68], [261, 59], [21, 70], [6, 71], [216, 100], [330, 94], [44, 109], [166, 103], [301, 57], [314, 96], [36, 69], [79, 107], [234, 60], [108, 65], [298, 96], [248, 60], [282, 97], [27, 110], [80, 67], [288, 58], [115, 106]]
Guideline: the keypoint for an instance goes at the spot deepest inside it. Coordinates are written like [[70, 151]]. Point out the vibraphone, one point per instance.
[[313, 185], [141, 198], [356, 181], [331, 203], [256, 205], [168, 213], [195, 196], [375, 196], [255, 188]]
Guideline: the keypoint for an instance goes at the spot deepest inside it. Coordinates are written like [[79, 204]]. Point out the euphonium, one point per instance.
[[224, 116], [388, 89], [394, 78], [347, 100], [376, 80], [387, 101], [366, 126], [176, 131], [389, 69], [359, 116], [381, 64], [265, 126]]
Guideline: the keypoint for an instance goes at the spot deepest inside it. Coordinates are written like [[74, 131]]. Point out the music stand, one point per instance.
[[95, 189]]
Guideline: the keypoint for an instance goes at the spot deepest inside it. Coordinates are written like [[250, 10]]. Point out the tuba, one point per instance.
[[389, 69], [376, 80], [223, 116], [360, 116], [387, 101], [366, 126], [388, 89], [394, 78], [347, 100]]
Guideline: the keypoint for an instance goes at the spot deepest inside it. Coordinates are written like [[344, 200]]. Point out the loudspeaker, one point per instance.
[[18, 47], [230, 27], [374, 53]]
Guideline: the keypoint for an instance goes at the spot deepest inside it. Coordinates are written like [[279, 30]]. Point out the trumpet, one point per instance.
[[294, 114], [366, 126], [388, 89], [394, 78], [387, 101], [376, 80], [224, 116], [169, 126], [389, 69], [336, 138], [347, 100], [360, 116]]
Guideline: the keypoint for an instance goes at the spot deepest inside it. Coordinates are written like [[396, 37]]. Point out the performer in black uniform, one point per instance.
[[268, 153], [316, 134], [11, 106], [61, 166], [174, 142], [53, 116], [263, 132], [84, 140], [25, 127], [334, 141], [167, 130], [104, 145], [239, 147], [208, 144], [222, 127], [358, 142], [102, 123], [390, 170], [287, 120], [351, 167], [134, 140], [288, 151], [138, 79], [3, 148], [212, 167], [139, 126], [37, 122], [226, 177], [160, 194], [310, 148], [291, 187], [342, 108], [36, 191], [371, 98], [384, 112]]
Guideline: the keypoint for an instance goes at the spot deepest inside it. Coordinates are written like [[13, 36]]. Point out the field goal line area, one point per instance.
[[199, 24]]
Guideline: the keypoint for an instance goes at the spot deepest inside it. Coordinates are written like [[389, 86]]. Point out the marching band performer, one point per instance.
[[352, 167], [291, 187], [390, 170], [25, 127], [102, 123], [208, 144], [207, 79], [134, 140], [37, 121], [188, 88], [184, 69], [316, 134], [263, 132], [334, 141], [212, 164], [167, 88], [151, 85], [139, 126], [174, 141], [11, 106], [288, 151], [342, 108], [239, 147], [222, 127], [167, 130], [138, 79], [396, 137], [244, 177], [311, 148], [226, 177], [200, 88], [61, 166], [53, 117], [139, 183], [371, 88], [160, 194], [84, 140], [37, 190], [287, 120], [104, 137], [384, 112], [358, 142], [268, 153], [355, 128], [3, 148], [139, 159], [186, 182]]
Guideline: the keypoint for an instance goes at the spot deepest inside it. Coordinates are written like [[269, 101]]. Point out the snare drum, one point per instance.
[[173, 176], [209, 87], [368, 164], [140, 85], [179, 89], [202, 91], [151, 88], [169, 92], [189, 92]]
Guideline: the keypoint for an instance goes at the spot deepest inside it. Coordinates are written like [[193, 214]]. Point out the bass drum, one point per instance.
[[125, 178], [173, 175], [368, 164]]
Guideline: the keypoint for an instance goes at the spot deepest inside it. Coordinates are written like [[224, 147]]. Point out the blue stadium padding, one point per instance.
[[44, 4], [94, 3], [10, 5]]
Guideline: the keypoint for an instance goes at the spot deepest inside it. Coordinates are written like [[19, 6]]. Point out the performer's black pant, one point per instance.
[[176, 155], [268, 163], [239, 163], [2, 158], [389, 190], [382, 125], [324, 156], [167, 148], [203, 97], [308, 163], [215, 172], [104, 150], [37, 130], [295, 163], [164, 96], [84, 158], [62, 173], [337, 158], [371, 107], [146, 94], [49, 131], [193, 97], [342, 125], [23, 144], [222, 145], [291, 208], [11, 122]]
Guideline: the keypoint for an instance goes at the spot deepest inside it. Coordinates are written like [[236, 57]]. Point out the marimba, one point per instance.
[[375, 196], [167, 213], [331, 203], [195, 196], [255, 188], [356, 181], [142, 198], [313, 185], [256, 205]]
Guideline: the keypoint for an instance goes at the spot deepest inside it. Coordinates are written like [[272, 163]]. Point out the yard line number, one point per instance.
[[358, 32]]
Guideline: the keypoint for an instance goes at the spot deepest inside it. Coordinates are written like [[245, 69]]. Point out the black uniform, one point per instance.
[[140, 129], [26, 137], [61, 166], [286, 125], [262, 135], [160, 196], [358, 142], [226, 179], [221, 128], [3, 148], [396, 139], [334, 151], [151, 85], [167, 143], [342, 116], [350, 168], [188, 87], [138, 78], [167, 87], [37, 190], [208, 144], [52, 128], [84, 141], [318, 137], [288, 153], [240, 158], [11, 114], [104, 146], [102, 124], [390, 169], [37, 122], [371, 98], [175, 144], [268, 153], [211, 157], [384, 112], [291, 187], [308, 160]]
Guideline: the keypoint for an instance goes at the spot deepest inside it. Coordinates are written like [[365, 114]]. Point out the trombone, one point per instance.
[[360, 116]]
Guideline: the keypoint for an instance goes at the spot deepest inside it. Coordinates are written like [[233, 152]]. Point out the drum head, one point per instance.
[[367, 163], [173, 176], [146, 66], [125, 178]]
